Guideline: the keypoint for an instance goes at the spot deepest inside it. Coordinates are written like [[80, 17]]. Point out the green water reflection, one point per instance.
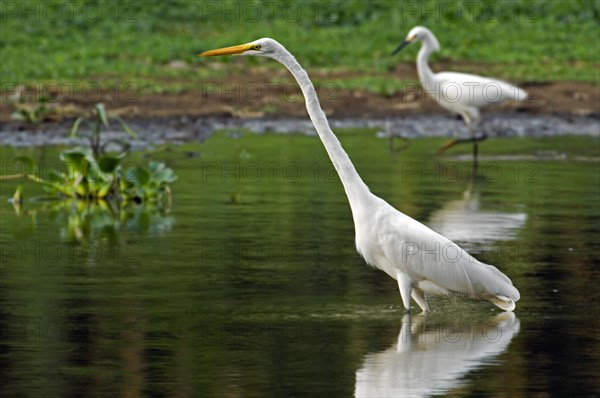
[[251, 286]]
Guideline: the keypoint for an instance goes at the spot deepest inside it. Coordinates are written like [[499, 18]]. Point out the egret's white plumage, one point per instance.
[[460, 93], [421, 260]]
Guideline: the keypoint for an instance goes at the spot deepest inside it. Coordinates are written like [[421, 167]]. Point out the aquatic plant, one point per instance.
[[89, 173], [100, 117], [30, 113]]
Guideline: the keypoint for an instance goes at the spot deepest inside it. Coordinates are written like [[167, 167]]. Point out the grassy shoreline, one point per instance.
[[152, 44]]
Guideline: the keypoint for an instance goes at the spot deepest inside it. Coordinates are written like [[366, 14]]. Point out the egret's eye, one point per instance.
[[256, 47]]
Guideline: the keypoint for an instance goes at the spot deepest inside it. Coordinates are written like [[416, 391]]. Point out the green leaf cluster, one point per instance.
[[89, 173]]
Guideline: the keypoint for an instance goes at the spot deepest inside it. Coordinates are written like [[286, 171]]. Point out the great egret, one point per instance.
[[421, 260], [460, 93]]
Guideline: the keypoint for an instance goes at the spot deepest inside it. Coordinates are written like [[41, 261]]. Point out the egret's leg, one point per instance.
[[476, 140], [405, 285], [471, 127], [455, 141], [447, 145], [419, 296]]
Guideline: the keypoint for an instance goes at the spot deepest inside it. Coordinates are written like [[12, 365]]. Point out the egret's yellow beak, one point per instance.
[[227, 50]]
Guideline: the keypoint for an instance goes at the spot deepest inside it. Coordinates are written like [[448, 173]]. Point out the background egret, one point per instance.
[[421, 260], [460, 93]]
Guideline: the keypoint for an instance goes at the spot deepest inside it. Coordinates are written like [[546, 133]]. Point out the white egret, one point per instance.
[[421, 260], [460, 93]]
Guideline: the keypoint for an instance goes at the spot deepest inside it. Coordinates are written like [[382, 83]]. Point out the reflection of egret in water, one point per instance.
[[464, 220], [391, 135], [431, 360]]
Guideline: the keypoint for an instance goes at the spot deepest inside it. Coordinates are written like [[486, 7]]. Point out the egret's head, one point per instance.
[[262, 48], [422, 34]]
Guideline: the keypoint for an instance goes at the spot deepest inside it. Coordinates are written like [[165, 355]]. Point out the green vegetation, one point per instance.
[[90, 174], [30, 113], [109, 43], [101, 118], [93, 192], [92, 221], [87, 177]]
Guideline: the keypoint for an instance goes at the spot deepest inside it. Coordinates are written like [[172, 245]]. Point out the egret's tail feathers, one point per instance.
[[506, 303]]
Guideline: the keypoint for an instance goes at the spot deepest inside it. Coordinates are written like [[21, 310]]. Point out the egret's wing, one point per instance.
[[476, 90], [426, 255]]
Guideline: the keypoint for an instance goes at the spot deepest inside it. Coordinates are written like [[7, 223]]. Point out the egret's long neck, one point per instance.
[[356, 190], [423, 69]]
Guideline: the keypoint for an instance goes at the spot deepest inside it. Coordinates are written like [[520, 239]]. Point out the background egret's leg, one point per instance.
[[455, 141], [447, 145], [405, 285], [471, 127], [467, 119]]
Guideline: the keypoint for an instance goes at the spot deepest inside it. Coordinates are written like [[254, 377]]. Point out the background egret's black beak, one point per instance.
[[401, 46]]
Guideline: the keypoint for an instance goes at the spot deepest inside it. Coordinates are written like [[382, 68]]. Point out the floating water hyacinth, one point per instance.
[[89, 173]]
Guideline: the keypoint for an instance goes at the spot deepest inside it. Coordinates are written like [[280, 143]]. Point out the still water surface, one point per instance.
[[251, 286]]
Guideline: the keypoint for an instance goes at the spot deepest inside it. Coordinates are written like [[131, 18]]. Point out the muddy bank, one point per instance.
[[176, 130], [271, 93], [245, 101]]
